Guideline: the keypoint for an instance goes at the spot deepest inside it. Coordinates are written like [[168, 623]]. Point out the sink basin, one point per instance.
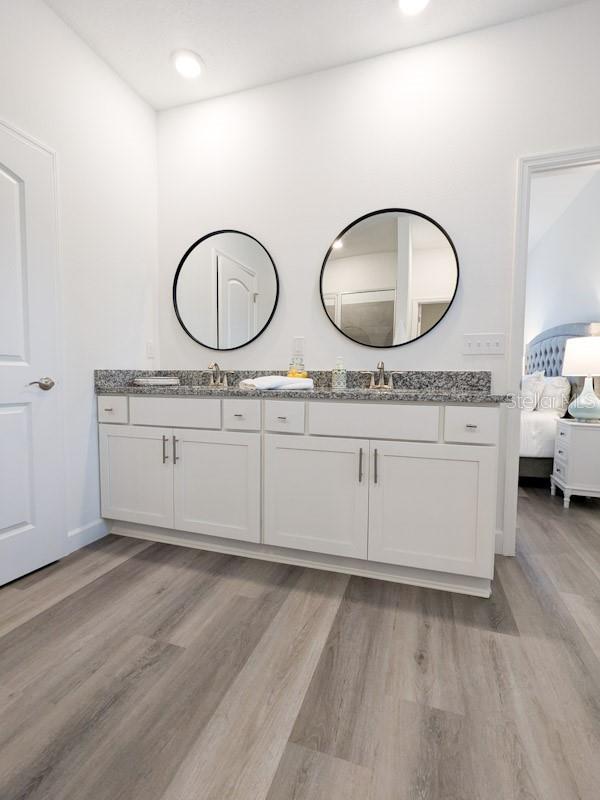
[[157, 381]]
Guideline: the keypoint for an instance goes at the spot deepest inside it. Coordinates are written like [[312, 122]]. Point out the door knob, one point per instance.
[[43, 383]]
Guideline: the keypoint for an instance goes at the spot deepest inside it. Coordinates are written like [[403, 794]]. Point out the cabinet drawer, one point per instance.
[[113, 408], [380, 420], [561, 450], [175, 412], [561, 469], [241, 415], [284, 416], [471, 425], [564, 433]]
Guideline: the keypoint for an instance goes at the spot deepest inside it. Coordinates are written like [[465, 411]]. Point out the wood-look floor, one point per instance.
[[138, 671]]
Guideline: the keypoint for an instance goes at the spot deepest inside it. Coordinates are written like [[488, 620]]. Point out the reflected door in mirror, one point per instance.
[[225, 290]]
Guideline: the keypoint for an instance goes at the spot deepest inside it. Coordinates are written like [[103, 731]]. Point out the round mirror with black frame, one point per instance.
[[389, 277], [225, 290]]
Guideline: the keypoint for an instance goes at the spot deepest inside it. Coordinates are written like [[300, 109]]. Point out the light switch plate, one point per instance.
[[483, 344]]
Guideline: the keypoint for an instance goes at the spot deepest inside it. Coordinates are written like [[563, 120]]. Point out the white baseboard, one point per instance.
[[460, 584], [79, 537]]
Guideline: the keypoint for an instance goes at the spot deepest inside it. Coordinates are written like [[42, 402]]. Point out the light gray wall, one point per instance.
[[563, 269], [56, 90], [437, 128]]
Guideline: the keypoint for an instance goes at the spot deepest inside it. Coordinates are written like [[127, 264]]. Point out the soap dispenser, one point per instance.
[[297, 369], [338, 374]]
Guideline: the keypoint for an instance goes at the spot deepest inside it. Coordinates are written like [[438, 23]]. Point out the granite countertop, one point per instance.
[[410, 387]]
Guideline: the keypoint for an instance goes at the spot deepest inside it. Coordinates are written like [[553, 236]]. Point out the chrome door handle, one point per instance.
[[44, 383], [360, 465], [175, 456], [375, 476], [164, 443]]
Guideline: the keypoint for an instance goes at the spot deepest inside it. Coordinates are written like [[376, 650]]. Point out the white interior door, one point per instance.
[[432, 506], [32, 491], [217, 483], [237, 286], [317, 494]]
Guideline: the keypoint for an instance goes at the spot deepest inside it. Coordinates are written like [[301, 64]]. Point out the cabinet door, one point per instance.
[[217, 483], [316, 495], [432, 506], [136, 474]]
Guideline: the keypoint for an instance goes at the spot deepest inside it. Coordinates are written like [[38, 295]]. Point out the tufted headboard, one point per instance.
[[547, 350]]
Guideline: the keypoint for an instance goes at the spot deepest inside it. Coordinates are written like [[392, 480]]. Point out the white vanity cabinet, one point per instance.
[[136, 474], [316, 494], [432, 506], [191, 480], [217, 483], [392, 490], [429, 506]]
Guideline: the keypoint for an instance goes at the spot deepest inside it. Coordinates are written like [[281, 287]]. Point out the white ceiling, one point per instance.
[[551, 195], [247, 43], [379, 234]]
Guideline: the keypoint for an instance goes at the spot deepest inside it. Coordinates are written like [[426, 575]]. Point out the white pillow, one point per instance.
[[532, 387], [556, 396]]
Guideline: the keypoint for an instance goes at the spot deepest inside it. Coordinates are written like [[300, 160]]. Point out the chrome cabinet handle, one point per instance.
[[175, 456], [560, 452], [241, 416], [360, 465], [44, 383], [375, 475], [108, 410], [282, 418], [562, 433], [471, 427], [164, 450]]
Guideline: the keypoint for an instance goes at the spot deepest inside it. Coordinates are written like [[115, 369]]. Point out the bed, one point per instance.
[[545, 353]]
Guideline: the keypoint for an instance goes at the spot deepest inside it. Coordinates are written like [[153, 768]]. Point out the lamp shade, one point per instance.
[[582, 356]]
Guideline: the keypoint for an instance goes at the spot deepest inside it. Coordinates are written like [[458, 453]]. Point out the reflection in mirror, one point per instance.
[[225, 290], [389, 278]]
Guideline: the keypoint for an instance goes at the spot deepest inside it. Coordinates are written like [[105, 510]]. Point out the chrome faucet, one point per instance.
[[380, 373], [215, 378]]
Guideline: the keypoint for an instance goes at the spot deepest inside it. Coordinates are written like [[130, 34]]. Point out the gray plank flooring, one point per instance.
[[140, 671]]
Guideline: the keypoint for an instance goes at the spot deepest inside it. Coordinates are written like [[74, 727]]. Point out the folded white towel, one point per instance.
[[278, 382]]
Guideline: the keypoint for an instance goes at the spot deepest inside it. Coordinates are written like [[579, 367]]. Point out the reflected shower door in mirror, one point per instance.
[[225, 290], [389, 277]]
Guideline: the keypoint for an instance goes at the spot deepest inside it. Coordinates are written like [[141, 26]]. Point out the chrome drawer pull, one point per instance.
[[108, 410], [471, 426], [282, 418], [241, 416]]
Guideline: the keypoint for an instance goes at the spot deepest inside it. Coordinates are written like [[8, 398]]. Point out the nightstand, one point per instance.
[[576, 459]]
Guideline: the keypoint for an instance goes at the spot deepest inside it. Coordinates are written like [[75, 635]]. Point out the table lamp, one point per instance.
[[582, 358]]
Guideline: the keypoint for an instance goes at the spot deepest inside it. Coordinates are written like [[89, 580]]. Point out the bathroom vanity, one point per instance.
[[397, 485]]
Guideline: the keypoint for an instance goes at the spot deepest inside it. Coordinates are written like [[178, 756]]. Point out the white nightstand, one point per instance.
[[576, 459]]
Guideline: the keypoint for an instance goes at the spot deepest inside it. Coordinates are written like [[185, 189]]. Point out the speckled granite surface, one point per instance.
[[414, 386]]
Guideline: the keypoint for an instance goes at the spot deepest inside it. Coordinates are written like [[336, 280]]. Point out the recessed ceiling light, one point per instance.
[[187, 63], [412, 7], [338, 244]]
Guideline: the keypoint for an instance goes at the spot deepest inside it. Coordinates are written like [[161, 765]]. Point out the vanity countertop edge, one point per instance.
[[461, 388]]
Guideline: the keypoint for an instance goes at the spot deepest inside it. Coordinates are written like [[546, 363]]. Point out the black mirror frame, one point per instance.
[[176, 277], [373, 214]]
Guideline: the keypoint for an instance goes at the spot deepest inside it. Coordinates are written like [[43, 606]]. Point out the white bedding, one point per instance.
[[538, 432]]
